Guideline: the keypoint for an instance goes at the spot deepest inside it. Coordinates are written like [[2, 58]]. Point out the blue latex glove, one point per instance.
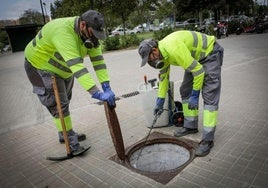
[[107, 89], [106, 86], [193, 100], [159, 106], [105, 96]]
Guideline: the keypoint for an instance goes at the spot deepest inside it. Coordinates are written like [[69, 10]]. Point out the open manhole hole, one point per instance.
[[161, 158]]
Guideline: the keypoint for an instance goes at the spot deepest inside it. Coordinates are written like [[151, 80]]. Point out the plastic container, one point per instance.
[[148, 94]]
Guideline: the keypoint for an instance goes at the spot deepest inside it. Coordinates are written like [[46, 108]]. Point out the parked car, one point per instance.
[[139, 29], [120, 31], [193, 21], [162, 25], [209, 21], [179, 24], [238, 18], [6, 48]]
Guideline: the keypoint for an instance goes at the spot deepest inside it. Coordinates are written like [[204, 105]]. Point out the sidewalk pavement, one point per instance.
[[239, 157]]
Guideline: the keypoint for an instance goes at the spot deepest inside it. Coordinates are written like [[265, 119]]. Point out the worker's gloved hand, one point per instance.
[[159, 106], [105, 96], [106, 86], [193, 100], [107, 89]]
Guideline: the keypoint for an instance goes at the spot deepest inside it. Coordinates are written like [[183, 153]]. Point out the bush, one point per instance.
[[129, 40], [158, 35], [120, 42], [112, 43]]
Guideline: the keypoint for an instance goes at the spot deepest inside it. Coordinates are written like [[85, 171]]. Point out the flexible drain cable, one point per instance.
[[157, 115]]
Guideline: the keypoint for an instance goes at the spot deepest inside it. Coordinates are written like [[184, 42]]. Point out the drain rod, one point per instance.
[[157, 115]]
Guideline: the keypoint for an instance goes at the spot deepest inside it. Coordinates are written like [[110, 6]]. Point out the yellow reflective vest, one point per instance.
[[185, 49], [58, 49]]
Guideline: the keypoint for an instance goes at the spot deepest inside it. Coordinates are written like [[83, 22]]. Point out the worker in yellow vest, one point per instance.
[[201, 57], [58, 49]]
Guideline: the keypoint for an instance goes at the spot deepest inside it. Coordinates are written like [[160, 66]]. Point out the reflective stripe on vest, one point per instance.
[[197, 73], [195, 45], [81, 72], [99, 67], [192, 66], [75, 61], [39, 37], [59, 66], [162, 72], [58, 56], [97, 58]]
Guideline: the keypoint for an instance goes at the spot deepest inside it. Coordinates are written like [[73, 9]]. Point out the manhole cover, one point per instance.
[[161, 158]]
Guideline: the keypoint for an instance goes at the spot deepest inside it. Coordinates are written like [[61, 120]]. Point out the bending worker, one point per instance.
[[201, 57], [59, 49]]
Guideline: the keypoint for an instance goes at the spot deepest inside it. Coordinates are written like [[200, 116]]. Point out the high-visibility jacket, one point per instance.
[[185, 49], [58, 49]]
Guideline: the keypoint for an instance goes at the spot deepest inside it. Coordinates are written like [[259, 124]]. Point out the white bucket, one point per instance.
[[149, 96]]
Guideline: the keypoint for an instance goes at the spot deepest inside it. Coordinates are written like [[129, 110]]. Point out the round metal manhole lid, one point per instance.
[[159, 157]]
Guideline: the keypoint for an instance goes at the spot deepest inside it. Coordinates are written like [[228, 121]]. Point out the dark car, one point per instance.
[[265, 25]]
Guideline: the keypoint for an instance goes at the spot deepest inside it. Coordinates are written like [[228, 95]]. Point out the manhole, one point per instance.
[[161, 158]]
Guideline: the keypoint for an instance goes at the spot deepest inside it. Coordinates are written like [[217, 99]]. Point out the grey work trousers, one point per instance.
[[42, 87]]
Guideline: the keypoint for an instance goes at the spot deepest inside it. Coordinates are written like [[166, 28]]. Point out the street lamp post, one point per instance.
[[43, 12], [45, 9]]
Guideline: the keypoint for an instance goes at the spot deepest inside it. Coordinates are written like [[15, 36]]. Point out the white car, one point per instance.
[[120, 31], [6, 48], [137, 29]]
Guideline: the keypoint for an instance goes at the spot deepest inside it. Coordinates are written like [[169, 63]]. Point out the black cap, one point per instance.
[[95, 20]]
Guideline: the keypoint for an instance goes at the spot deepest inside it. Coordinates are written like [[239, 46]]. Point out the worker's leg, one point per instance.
[[211, 96], [190, 124], [42, 86]]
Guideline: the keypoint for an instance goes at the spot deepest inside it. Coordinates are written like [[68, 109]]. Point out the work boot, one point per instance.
[[74, 144], [81, 137], [204, 148], [182, 131], [77, 150]]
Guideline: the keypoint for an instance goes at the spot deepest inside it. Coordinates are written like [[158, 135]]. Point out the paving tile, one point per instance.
[[261, 180]]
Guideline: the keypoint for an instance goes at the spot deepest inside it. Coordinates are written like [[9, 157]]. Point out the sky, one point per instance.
[[13, 9]]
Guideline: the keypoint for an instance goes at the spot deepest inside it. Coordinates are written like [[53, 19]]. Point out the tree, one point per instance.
[[216, 6], [65, 8], [166, 9], [122, 9], [3, 38], [30, 17]]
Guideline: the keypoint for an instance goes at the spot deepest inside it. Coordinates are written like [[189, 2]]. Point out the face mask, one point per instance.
[[157, 63], [91, 42]]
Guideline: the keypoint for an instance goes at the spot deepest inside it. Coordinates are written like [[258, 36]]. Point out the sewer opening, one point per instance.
[[159, 157], [162, 157]]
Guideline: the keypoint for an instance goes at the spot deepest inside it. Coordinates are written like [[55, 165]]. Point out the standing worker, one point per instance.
[[58, 50], [201, 57]]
